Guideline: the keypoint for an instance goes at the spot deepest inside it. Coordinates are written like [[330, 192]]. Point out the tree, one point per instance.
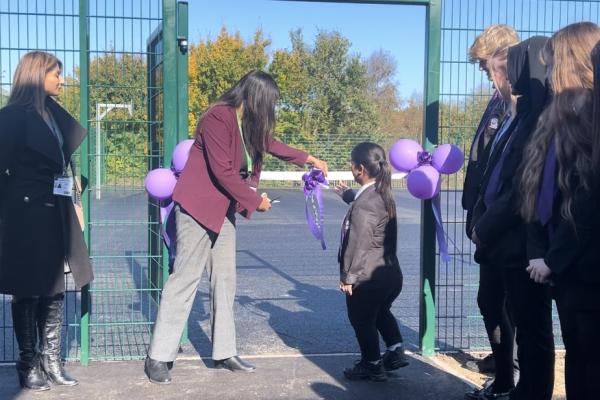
[[116, 79], [325, 106], [215, 66]]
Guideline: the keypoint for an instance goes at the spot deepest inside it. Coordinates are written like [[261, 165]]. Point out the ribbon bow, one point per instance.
[[313, 202]]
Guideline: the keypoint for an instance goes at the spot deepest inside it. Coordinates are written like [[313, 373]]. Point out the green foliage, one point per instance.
[[331, 99], [215, 65], [115, 79]]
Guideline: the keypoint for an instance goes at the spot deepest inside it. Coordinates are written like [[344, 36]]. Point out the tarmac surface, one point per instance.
[[309, 377], [290, 317]]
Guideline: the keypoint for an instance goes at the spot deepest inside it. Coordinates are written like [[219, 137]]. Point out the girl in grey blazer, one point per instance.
[[370, 274]]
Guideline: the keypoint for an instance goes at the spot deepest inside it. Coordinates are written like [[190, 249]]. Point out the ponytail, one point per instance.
[[372, 157], [383, 186]]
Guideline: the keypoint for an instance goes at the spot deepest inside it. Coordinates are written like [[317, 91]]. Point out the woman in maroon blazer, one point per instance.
[[219, 179]]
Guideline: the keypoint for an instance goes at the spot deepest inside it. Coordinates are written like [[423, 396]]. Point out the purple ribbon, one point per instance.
[[168, 229], [439, 228], [313, 202], [545, 200], [425, 158]]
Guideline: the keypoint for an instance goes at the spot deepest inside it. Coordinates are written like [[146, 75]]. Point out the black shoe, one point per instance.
[[24, 316], [487, 393], [50, 321], [157, 371], [366, 370], [235, 364], [486, 365], [394, 359]]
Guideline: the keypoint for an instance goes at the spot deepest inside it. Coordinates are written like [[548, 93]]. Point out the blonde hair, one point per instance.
[[568, 123], [493, 37], [495, 64], [28, 81], [569, 54]]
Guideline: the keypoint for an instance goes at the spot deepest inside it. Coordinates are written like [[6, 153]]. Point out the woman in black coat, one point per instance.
[[40, 235]]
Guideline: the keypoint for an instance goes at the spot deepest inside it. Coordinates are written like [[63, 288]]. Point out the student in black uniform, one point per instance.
[[490, 296], [370, 273], [560, 199], [492, 291], [499, 232]]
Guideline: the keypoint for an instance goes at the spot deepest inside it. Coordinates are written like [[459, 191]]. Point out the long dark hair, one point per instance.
[[568, 123], [29, 78], [259, 93], [372, 157], [596, 114]]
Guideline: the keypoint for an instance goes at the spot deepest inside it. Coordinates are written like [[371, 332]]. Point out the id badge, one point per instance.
[[63, 185]]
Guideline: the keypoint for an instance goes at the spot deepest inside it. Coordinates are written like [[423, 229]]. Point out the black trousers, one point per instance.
[[580, 332], [530, 305], [491, 299], [370, 315]]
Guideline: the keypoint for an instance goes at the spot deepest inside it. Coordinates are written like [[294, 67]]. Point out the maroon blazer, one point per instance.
[[211, 177]]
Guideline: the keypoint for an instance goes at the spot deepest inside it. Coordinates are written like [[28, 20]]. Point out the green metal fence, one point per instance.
[[53, 26], [115, 55], [463, 92]]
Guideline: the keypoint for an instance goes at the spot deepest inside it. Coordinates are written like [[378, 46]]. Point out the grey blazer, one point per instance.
[[367, 253]]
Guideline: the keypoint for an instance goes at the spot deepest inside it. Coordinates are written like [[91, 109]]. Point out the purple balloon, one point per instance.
[[403, 155], [423, 182], [447, 158], [160, 183], [181, 153]]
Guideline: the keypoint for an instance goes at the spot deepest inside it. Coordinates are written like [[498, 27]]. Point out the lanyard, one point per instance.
[[248, 159]]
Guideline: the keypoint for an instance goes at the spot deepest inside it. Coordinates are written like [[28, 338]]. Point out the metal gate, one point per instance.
[[463, 93], [115, 85]]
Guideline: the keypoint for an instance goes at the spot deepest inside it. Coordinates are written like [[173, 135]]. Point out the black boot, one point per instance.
[[50, 319], [24, 313]]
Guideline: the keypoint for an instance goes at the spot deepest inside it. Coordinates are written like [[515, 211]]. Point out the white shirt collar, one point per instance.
[[363, 188]]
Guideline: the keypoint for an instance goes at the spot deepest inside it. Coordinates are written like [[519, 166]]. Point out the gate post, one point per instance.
[[84, 327], [175, 86], [427, 321]]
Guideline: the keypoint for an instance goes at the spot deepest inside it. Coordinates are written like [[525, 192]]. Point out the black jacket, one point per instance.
[[40, 231], [570, 249], [499, 227], [479, 154], [367, 254]]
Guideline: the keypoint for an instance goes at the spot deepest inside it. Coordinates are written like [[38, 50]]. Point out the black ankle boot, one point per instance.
[[50, 319], [24, 312]]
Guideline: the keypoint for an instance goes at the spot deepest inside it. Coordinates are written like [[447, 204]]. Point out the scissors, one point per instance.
[[272, 201]]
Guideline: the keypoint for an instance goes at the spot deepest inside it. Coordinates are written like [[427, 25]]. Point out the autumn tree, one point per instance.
[[215, 65]]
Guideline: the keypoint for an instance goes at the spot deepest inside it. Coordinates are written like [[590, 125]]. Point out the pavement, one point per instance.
[[290, 317], [277, 377]]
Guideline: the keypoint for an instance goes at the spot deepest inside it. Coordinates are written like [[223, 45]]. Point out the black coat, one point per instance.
[[479, 154], [39, 231], [501, 231], [570, 249], [367, 253]]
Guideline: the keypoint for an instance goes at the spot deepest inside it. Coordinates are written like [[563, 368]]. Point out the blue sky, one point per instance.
[[399, 30]]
